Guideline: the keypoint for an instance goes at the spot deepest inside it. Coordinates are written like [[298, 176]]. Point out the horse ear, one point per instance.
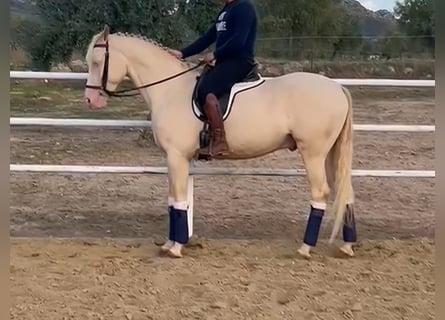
[[106, 32]]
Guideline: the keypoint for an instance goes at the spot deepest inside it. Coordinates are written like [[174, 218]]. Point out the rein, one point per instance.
[[119, 93]]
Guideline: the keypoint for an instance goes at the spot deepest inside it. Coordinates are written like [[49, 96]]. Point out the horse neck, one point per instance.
[[149, 63]]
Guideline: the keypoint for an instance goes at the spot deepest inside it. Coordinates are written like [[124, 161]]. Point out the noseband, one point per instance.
[[119, 93], [103, 85]]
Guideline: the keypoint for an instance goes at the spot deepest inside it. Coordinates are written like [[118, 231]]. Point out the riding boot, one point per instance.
[[218, 145]]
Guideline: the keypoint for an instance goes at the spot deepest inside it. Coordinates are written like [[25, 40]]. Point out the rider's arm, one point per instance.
[[240, 23], [201, 43]]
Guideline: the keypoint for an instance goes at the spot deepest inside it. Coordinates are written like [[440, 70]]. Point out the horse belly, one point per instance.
[[259, 136]]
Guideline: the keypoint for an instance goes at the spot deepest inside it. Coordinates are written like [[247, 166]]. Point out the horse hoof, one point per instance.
[[304, 251], [172, 253], [203, 158], [175, 251], [346, 250], [166, 247]]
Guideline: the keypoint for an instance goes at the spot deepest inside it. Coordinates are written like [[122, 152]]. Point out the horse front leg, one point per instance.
[[170, 201], [180, 227]]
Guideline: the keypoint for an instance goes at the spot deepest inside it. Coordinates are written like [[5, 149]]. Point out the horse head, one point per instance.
[[105, 71], [146, 62]]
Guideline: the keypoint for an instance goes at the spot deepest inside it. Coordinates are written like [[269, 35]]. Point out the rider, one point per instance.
[[235, 33]]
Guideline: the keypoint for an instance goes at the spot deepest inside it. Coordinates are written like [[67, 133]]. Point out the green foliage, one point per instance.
[[317, 27], [366, 49], [298, 17], [349, 38], [199, 14], [394, 45], [290, 29], [416, 18], [22, 29], [72, 28], [27, 32]]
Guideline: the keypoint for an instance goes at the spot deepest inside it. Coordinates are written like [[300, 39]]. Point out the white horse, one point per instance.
[[303, 111]]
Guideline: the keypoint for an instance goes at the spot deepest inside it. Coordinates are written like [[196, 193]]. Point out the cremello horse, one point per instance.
[[303, 111]]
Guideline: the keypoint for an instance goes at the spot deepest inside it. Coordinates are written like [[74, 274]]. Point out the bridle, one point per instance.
[[119, 93]]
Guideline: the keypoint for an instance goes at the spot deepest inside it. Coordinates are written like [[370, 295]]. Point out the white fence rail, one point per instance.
[[209, 171], [71, 169], [347, 82], [55, 122]]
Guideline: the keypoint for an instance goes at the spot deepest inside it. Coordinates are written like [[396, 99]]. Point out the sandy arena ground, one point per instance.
[[244, 263]]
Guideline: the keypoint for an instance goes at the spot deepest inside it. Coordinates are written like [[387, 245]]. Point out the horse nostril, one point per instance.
[[87, 100]]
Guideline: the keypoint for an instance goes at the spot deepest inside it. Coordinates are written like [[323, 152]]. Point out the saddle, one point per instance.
[[252, 80]]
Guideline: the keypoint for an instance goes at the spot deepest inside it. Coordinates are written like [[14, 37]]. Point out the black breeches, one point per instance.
[[219, 79]]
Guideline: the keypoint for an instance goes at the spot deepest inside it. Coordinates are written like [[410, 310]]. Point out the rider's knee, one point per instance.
[[203, 92]]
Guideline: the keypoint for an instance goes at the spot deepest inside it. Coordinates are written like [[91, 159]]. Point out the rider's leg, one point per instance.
[[218, 144], [213, 85]]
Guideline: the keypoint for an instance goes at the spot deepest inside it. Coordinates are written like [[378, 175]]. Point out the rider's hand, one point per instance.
[[209, 57], [175, 53]]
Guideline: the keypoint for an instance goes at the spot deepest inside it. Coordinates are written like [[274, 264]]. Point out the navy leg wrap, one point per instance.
[[349, 230], [313, 226], [171, 231], [181, 228]]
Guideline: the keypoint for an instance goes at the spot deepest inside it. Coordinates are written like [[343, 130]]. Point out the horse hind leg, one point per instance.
[[349, 227], [349, 231], [316, 175]]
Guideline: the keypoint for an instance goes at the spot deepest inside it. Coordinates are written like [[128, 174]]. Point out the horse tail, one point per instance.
[[342, 165]]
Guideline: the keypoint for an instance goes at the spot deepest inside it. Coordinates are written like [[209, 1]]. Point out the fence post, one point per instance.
[[190, 189]]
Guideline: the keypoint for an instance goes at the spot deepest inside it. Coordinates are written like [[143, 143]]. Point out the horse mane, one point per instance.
[[143, 38], [152, 42], [134, 36]]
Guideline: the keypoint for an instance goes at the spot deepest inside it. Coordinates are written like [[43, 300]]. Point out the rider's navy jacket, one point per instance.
[[234, 32]]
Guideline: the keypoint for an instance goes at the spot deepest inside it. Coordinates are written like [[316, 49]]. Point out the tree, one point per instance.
[[349, 39], [316, 25], [63, 31], [394, 45], [199, 14], [299, 17], [416, 18]]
